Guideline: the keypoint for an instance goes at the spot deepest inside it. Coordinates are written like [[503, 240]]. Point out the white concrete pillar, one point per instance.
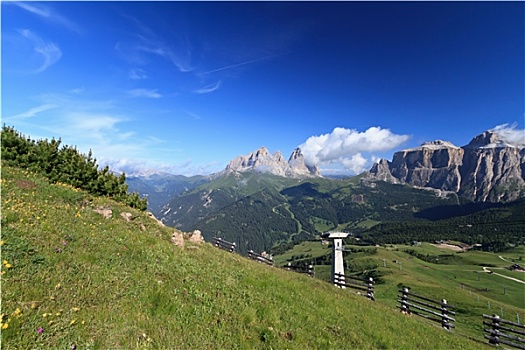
[[337, 260]]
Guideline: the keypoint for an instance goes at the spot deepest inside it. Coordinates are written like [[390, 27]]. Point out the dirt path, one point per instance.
[[486, 269]]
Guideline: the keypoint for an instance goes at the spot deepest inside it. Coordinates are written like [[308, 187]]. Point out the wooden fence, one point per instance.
[[260, 258], [366, 285], [225, 245], [301, 269], [504, 332], [411, 303]]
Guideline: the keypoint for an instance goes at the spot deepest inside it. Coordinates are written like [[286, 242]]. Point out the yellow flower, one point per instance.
[[33, 306], [75, 309], [72, 322], [8, 266], [17, 312], [4, 262], [51, 322], [1, 242], [5, 325], [57, 314], [83, 321]]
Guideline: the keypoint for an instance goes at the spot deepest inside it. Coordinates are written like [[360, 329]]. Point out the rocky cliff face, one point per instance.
[[262, 161], [488, 169]]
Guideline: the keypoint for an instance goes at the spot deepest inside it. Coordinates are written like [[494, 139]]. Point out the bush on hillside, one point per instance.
[[65, 164]]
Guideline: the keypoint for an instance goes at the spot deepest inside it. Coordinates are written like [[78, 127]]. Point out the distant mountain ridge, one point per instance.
[[488, 169], [262, 161]]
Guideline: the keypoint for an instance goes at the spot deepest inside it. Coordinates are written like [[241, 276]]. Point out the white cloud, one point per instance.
[[209, 88], [137, 74], [47, 13], [32, 112], [48, 51], [356, 164], [177, 51], [510, 134], [148, 93], [346, 146]]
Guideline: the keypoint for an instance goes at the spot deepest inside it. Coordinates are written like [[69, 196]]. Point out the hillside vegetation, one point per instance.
[[71, 276], [262, 212], [435, 271]]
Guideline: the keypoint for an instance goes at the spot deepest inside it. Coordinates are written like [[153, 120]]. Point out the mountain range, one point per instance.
[[259, 200]]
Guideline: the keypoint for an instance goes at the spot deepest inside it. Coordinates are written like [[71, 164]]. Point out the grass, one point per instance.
[[461, 281], [71, 276]]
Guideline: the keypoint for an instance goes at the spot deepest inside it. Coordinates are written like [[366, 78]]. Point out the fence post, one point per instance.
[[336, 279], [404, 301], [370, 289], [311, 270], [444, 319], [232, 250], [495, 328]]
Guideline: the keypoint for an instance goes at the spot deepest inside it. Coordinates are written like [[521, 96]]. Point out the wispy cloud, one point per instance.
[[347, 146], [510, 134], [239, 64], [137, 74], [209, 88], [178, 51], [193, 115], [48, 51], [31, 112], [147, 93], [47, 13]]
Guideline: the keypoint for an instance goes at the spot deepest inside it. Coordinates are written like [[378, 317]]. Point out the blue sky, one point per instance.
[[185, 87]]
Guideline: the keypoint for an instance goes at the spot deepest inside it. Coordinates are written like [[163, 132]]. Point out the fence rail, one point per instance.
[[366, 285], [503, 332], [260, 258], [411, 303], [225, 245], [301, 269]]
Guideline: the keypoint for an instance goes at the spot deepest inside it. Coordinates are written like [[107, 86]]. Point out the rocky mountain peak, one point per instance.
[[262, 161], [490, 139], [490, 168]]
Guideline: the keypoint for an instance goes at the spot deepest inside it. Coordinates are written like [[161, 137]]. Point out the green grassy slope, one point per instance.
[[71, 276], [458, 277]]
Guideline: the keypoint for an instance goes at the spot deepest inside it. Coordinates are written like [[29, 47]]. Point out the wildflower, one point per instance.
[[17, 312], [72, 322], [57, 314], [64, 243], [75, 309], [8, 266], [1, 242], [5, 325], [45, 314], [52, 298], [40, 330], [33, 306], [83, 322]]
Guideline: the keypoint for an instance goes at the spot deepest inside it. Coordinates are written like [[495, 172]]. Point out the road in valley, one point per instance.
[[486, 269]]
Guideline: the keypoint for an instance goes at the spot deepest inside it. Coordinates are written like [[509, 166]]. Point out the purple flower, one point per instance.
[[64, 242], [40, 330]]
